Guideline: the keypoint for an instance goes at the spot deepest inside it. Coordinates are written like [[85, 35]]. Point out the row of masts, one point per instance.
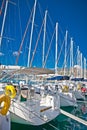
[[79, 54]]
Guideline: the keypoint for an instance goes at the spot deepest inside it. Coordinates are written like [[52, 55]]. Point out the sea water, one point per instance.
[[62, 122]]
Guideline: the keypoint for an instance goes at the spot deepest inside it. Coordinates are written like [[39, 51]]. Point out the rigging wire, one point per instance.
[[60, 52], [37, 43], [40, 10], [27, 35], [2, 6], [12, 2], [20, 19], [49, 48], [67, 56], [49, 26], [52, 24], [24, 37]]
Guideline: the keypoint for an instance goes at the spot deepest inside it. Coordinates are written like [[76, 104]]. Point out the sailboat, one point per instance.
[[35, 108], [32, 106], [66, 97]]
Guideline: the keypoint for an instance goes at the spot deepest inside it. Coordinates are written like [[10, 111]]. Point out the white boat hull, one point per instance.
[[78, 95], [67, 99]]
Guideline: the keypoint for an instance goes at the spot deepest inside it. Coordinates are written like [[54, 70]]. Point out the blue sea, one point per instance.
[[62, 122]]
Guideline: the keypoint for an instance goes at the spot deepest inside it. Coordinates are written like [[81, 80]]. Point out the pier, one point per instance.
[[5, 122], [73, 117]]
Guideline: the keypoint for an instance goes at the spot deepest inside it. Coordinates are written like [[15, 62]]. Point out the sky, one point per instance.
[[71, 15]]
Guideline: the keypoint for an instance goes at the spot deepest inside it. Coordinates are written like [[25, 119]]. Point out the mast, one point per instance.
[[84, 68], [71, 57], [44, 39], [56, 48], [78, 56], [28, 64], [81, 66], [78, 60], [65, 62], [3, 23]]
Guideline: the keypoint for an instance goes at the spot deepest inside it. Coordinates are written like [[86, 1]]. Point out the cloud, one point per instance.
[[1, 54]]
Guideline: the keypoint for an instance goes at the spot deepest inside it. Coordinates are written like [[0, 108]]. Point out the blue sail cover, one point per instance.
[[77, 79], [59, 78], [85, 80]]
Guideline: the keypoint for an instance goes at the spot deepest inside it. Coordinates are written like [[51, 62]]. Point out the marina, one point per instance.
[[38, 104], [64, 116], [43, 72]]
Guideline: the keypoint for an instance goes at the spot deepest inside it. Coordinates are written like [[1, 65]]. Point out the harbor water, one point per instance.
[[62, 122]]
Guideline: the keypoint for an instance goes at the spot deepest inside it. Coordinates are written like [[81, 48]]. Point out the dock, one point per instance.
[[73, 117]]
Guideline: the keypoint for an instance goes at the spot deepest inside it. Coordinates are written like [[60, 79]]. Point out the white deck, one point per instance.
[[34, 111]]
